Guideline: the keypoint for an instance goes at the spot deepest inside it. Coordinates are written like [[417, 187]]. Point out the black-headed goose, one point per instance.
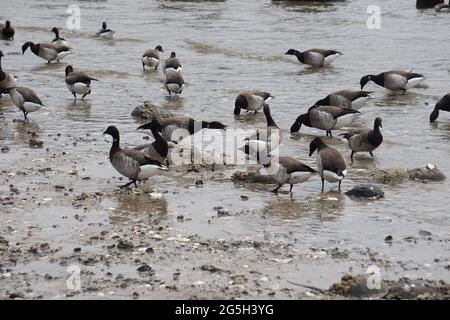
[[7, 81], [26, 100], [61, 42], [365, 140], [174, 82], [443, 104], [263, 140], [394, 80], [151, 57], [346, 99], [291, 171], [330, 162], [6, 31], [326, 118], [172, 63], [78, 82], [105, 33], [158, 149], [315, 57], [132, 164], [47, 51], [176, 127], [251, 100]]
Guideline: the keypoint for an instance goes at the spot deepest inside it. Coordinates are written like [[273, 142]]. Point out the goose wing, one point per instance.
[[324, 52], [78, 76], [294, 165], [332, 160], [29, 95]]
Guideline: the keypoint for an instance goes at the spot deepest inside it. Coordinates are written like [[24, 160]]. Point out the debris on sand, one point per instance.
[[149, 110], [370, 191]]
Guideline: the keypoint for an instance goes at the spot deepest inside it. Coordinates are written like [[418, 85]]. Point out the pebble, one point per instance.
[[388, 238], [125, 245], [36, 143], [5, 149]]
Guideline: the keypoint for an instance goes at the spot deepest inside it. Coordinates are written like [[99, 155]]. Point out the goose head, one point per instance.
[[113, 132], [159, 48], [315, 145], [69, 70], [301, 119], [364, 80], [378, 123], [291, 52]]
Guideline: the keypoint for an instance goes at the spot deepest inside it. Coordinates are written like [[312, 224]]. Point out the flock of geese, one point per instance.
[[332, 112]]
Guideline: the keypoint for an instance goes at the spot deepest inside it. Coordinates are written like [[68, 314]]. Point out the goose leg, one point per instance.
[[290, 190], [323, 183], [75, 96], [143, 66], [370, 152], [276, 189], [84, 95], [127, 184], [339, 185], [331, 135]]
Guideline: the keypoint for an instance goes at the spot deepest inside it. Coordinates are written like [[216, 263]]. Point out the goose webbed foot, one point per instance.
[[276, 189], [128, 184]]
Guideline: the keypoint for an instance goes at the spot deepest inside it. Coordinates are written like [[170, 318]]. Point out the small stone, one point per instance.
[[76, 249], [198, 183], [244, 198], [180, 218], [36, 143], [222, 212], [125, 245], [144, 268], [5, 149], [388, 238]]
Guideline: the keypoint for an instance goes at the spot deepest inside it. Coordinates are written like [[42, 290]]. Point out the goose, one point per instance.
[[394, 80], [7, 81], [315, 57], [104, 32], [130, 163], [47, 51], [6, 31], [346, 99], [172, 63], [61, 42], [443, 104], [326, 118], [174, 82], [78, 82], [365, 140], [158, 149], [263, 140], [330, 162], [26, 100], [150, 58], [183, 126], [251, 101], [290, 170]]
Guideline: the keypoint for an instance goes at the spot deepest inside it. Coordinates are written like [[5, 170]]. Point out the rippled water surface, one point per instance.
[[228, 46]]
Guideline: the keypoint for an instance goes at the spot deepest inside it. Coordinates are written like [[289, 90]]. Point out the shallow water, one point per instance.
[[228, 46]]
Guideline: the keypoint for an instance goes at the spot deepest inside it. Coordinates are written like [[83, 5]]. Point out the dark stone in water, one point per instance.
[[366, 191], [426, 4]]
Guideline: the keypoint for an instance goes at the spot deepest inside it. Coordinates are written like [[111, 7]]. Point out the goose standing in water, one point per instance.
[[263, 140], [158, 149], [105, 33], [330, 162], [6, 31], [251, 101], [47, 51], [172, 63], [365, 140], [316, 58], [326, 118], [290, 170], [7, 81], [394, 80], [443, 104], [26, 100], [174, 82], [132, 164], [151, 58], [78, 82], [60, 42], [346, 99]]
